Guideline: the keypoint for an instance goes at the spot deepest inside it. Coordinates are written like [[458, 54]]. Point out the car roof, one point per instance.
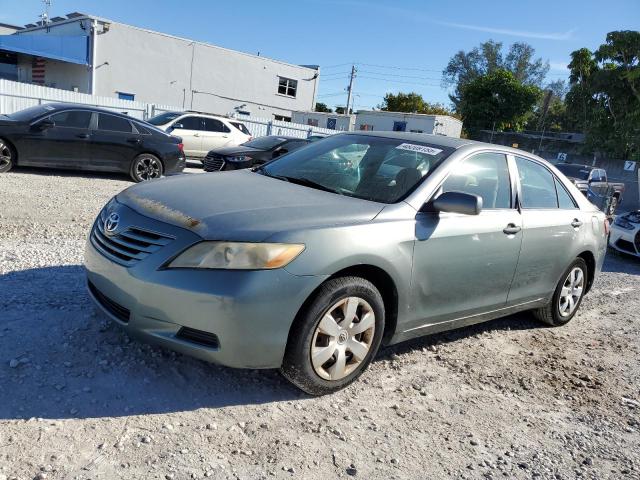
[[208, 115], [80, 106], [441, 140]]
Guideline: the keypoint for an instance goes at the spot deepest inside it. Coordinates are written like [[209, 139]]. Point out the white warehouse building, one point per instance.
[[93, 55], [332, 121], [408, 122]]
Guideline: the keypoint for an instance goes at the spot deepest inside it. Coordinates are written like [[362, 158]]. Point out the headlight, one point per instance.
[[237, 256], [240, 158], [623, 223]]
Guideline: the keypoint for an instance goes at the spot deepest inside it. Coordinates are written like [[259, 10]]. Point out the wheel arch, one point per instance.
[[590, 259], [381, 280], [13, 147]]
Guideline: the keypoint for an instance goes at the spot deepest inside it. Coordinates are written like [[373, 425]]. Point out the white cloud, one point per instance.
[[513, 33], [559, 66]]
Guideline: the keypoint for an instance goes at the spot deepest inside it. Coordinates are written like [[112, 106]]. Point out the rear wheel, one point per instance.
[[567, 296], [146, 167], [336, 337], [7, 156]]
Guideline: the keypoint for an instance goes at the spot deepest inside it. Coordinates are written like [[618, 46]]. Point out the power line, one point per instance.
[[401, 81], [391, 67], [399, 75]]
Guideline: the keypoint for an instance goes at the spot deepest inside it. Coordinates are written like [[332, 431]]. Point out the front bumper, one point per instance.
[[249, 313], [626, 241]]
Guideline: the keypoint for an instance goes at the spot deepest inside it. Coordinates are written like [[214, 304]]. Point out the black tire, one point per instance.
[[146, 167], [7, 156], [297, 365], [550, 314]]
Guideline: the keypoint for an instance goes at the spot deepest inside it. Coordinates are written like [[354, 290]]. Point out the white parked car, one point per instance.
[[625, 233], [201, 132]]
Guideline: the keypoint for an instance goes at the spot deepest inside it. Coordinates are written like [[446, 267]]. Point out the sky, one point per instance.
[[397, 46]]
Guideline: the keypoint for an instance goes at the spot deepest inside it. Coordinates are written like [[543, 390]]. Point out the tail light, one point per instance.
[[607, 228], [181, 148]]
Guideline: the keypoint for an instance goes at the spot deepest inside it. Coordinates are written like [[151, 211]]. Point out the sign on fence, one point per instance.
[[629, 166]]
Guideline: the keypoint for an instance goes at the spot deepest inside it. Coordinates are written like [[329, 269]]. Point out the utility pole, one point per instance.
[[350, 88]]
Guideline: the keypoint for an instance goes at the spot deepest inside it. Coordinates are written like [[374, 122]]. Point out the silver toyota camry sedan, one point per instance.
[[311, 262]]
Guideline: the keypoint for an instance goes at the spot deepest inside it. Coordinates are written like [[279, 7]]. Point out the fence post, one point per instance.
[[309, 132], [269, 127]]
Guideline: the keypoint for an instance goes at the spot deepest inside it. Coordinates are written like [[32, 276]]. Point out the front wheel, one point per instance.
[[567, 296], [7, 156], [146, 167], [335, 338]]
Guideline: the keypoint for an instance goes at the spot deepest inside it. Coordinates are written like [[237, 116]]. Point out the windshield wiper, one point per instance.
[[309, 183]]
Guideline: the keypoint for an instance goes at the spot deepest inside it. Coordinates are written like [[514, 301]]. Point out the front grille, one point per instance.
[[213, 162], [127, 246], [109, 305], [192, 335], [627, 246]]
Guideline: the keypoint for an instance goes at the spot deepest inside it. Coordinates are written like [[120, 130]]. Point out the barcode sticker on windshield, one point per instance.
[[419, 148]]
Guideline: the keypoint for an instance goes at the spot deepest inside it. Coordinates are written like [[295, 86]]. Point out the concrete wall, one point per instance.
[[160, 68], [344, 123], [433, 124]]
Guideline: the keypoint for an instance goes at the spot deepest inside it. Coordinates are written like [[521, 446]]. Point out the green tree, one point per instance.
[[604, 99], [489, 57], [412, 103], [496, 100], [322, 107]]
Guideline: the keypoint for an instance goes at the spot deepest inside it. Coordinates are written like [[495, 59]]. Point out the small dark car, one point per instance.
[[79, 137], [254, 152]]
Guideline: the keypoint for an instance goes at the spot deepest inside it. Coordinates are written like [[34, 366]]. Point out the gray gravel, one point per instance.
[[507, 399]]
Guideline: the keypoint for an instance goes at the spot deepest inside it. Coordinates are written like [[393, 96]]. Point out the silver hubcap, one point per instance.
[[148, 168], [343, 338], [571, 292], [5, 155]]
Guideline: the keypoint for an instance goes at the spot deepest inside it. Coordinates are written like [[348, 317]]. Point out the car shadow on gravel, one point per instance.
[[58, 359]]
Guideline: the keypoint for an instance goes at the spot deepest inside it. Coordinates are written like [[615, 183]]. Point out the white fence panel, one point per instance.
[[16, 96], [260, 127]]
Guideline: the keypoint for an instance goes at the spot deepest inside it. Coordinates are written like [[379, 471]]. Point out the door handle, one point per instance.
[[133, 140], [83, 135], [511, 229], [576, 223], [196, 134]]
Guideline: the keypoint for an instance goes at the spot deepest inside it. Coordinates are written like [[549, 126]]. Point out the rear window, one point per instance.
[[241, 127], [113, 124], [164, 118]]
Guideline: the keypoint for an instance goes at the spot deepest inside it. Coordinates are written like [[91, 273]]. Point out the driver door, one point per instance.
[[464, 264], [64, 144], [190, 130]]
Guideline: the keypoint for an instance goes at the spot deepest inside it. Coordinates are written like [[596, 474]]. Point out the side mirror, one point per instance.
[[177, 126], [458, 202], [45, 124]]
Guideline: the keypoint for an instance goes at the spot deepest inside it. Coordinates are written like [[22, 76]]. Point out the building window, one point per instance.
[[399, 126], [281, 118], [312, 122], [366, 127], [126, 96], [287, 86]]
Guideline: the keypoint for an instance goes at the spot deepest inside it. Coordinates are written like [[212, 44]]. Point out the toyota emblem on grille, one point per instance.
[[111, 223]]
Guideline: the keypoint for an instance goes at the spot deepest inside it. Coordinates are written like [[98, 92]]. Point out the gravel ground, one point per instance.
[[506, 399]]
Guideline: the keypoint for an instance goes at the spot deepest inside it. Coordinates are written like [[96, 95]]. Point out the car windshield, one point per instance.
[[574, 171], [241, 127], [264, 143], [373, 168], [31, 112], [163, 118]]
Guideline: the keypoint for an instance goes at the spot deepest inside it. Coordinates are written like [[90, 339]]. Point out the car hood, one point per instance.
[[236, 150], [243, 205]]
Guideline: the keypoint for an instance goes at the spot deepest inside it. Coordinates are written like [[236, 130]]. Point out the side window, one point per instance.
[[595, 175], [603, 176], [485, 175], [72, 119], [113, 123], [536, 184], [565, 200], [213, 125], [190, 123]]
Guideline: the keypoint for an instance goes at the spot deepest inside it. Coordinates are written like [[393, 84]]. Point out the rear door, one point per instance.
[[215, 134], [114, 143], [63, 145], [190, 128], [552, 228]]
